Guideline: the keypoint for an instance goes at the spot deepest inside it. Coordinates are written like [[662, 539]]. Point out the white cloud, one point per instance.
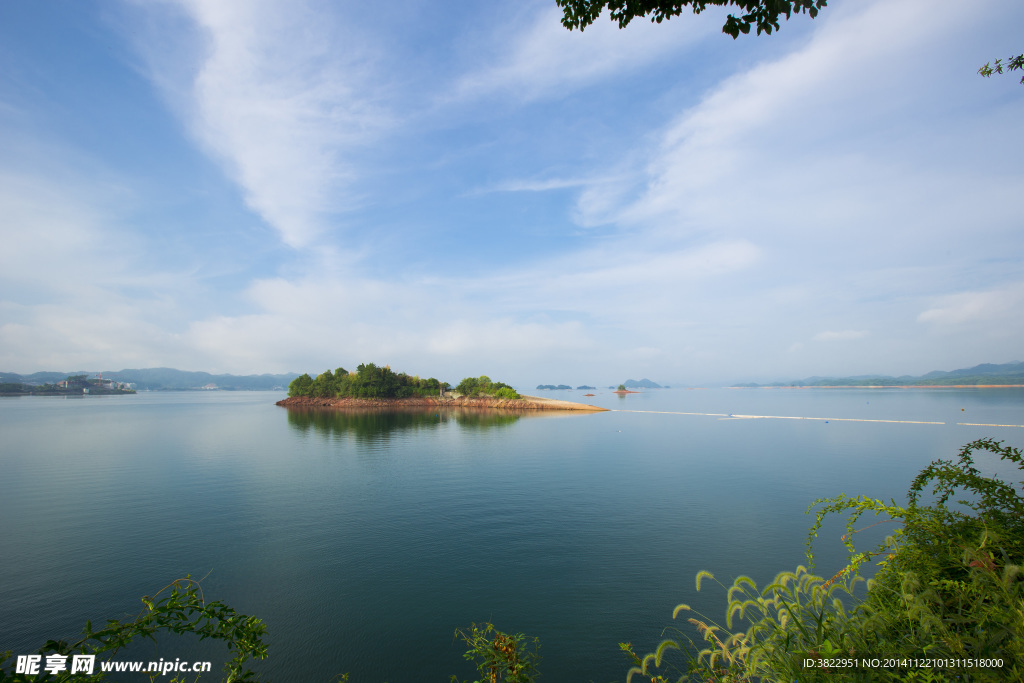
[[516, 320], [524, 185], [844, 335], [528, 341], [274, 99], [998, 306], [546, 59], [45, 231], [418, 326], [853, 132]]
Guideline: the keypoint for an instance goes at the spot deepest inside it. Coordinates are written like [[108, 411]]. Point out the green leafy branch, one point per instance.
[[761, 14], [1012, 64], [500, 656]]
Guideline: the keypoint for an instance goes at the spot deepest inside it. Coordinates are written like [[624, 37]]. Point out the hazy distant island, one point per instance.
[[985, 375], [371, 385], [162, 379], [77, 385], [640, 384]]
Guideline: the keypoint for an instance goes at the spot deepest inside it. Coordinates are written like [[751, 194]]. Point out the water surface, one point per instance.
[[365, 539]]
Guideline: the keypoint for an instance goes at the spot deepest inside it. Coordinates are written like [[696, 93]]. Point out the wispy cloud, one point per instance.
[[818, 141], [537, 185], [844, 335], [546, 60], [998, 306], [273, 99]]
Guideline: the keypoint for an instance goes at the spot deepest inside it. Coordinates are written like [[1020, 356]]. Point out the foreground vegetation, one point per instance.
[[946, 604], [177, 608], [371, 381], [948, 590]]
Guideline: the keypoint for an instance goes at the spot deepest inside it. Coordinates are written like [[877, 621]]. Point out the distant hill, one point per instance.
[[986, 373], [642, 384], [165, 379]]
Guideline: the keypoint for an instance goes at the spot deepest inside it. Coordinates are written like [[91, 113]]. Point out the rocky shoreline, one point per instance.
[[525, 403]]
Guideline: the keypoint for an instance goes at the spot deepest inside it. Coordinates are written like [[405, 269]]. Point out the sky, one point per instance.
[[467, 188]]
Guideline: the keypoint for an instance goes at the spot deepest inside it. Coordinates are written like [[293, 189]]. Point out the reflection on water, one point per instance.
[[374, 424]]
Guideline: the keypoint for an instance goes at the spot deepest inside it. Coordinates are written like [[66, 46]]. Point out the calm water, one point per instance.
[[364, 540]]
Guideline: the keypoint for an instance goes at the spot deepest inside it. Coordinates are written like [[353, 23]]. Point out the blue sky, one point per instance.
[[463, 188]]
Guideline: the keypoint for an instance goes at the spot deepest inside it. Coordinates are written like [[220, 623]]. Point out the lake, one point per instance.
[[364, 540]]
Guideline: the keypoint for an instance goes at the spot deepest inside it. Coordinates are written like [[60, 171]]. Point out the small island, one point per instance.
[[373, 386]]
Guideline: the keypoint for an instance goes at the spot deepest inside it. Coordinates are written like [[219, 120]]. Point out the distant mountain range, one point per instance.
[[987, 373], [164, 379], [641, 384]]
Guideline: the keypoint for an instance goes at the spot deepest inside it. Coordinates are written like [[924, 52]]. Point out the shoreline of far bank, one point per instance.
[[524, 403], [884, 386]]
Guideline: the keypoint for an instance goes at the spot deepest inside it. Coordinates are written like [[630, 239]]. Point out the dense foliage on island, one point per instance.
[[553, 387], [372, 381], [986, 374]]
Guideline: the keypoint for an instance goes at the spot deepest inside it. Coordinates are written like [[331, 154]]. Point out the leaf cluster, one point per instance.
[[499, 656], [1012, 64], [761, 14]]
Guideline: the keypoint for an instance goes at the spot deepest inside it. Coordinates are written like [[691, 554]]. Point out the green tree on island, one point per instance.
[[482, 385], [372, 381]]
